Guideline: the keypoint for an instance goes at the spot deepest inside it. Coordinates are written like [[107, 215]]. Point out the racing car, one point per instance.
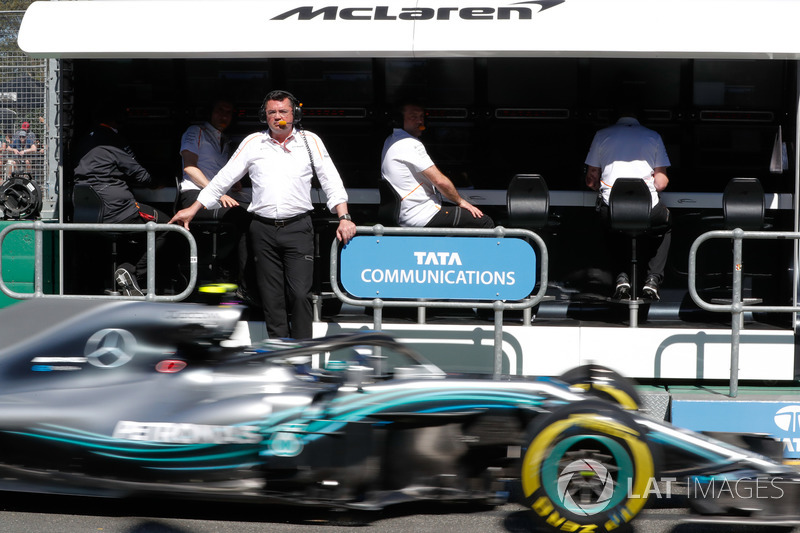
[[122, 398]]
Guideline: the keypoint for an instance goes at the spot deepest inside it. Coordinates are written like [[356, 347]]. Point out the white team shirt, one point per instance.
[[403, 160], [205, 141], [280, 173], [627, 150]]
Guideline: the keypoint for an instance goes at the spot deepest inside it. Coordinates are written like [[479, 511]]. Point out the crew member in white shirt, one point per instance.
[[406, 165], [281, 162], [204, 151], [629, 150]]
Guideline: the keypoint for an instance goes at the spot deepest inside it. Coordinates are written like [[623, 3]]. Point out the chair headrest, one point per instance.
[[630, 204], [87, 204], [389, 208], [743, 204], [528, 201]]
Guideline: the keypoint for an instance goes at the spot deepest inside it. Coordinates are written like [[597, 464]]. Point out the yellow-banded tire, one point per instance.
[[605, 384], [586, 467]]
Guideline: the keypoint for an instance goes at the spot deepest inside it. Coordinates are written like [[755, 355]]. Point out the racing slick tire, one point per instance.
[[604, 383], [585, 467]]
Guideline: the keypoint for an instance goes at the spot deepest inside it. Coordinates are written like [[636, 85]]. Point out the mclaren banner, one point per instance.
[[438, 268], [413, 28]]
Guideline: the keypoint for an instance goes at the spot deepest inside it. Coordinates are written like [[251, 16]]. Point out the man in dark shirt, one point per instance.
[[22, 148], [106, 162]]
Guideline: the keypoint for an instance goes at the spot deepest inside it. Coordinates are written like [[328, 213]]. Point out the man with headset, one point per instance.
[[281, 162]]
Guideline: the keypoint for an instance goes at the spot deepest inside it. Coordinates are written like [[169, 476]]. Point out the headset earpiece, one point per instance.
[[298, 113], [297, 108]]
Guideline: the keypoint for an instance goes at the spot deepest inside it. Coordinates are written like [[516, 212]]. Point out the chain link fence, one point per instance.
[[23, 106]]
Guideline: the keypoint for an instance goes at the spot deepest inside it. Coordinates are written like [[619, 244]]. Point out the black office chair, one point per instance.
[[389, 207], [528, 202], [87, 204], [88, 209], [743, 204], [743, 207], [630, 204], [528, 207]]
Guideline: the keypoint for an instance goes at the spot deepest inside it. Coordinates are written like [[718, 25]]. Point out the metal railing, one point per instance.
[[737, 307], [151, 227], [499, 306]]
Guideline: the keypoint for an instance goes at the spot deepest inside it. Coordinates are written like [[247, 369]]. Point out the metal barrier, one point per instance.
[[499, 232], [737, 307], [151, 227]]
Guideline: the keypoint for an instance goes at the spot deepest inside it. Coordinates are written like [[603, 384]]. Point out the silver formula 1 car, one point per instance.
[[120, 398]]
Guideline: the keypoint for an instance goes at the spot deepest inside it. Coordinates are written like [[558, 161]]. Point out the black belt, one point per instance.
[[280, 222]]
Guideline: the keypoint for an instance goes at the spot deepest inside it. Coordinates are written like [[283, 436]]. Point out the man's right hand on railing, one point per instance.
[[184, 216]]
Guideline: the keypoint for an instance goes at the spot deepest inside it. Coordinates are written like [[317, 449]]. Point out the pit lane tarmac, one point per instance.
[[23, 513]]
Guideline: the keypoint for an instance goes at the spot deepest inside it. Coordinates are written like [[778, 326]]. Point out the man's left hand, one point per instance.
[[345, 231], [476, 213], [227, 201]]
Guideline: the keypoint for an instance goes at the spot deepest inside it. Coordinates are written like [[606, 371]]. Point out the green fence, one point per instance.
[[18, 260]]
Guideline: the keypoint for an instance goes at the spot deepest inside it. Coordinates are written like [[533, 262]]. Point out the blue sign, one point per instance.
[[780, 420], [438, 268]]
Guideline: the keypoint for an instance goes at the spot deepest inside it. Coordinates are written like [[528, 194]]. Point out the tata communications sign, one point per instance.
[[780, 420], [438, 268]]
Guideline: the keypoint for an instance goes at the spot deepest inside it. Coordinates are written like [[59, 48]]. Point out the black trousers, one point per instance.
[[136, 254], [450, 216], [284, 265], [654, 248]]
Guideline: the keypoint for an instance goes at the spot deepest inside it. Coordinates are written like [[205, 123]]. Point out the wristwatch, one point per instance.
[[346, 216]]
